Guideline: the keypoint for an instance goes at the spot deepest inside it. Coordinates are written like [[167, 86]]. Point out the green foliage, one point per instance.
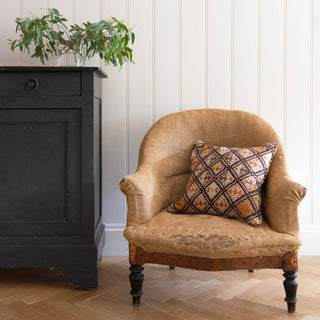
[[49, 35]]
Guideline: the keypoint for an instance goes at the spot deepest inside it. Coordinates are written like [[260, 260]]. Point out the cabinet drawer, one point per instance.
[[19, 84]]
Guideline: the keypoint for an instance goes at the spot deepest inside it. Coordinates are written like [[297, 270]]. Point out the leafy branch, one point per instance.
[[49, 35]]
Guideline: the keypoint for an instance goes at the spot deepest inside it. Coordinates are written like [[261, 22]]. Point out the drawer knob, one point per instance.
[[31, 84]]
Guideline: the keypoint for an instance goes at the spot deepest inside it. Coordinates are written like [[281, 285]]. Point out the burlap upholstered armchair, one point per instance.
[[202, 241]]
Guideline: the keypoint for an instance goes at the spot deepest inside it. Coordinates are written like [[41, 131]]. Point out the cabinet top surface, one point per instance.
[[51, 69]]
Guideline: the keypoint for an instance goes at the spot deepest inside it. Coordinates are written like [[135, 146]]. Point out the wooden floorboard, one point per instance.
[[180, 294]]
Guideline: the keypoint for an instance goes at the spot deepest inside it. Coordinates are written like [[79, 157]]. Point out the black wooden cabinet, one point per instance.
[[50, 170]]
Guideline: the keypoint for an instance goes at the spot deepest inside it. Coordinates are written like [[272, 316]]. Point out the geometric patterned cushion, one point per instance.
[[226, 182]]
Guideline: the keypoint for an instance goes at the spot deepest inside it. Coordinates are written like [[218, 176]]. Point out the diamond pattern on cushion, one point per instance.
[[226, 182]]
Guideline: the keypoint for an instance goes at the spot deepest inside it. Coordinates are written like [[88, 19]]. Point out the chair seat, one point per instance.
[[209, 236]]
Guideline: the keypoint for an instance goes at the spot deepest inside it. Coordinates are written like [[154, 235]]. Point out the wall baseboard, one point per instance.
[[117, 245], [310, 237]]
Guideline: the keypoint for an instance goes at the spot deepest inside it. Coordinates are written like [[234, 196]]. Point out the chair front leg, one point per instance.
[[136, 280], [290, 268], [136, 259], [290, 286]]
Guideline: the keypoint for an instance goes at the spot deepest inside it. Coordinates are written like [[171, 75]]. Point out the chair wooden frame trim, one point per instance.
[[288, 263]]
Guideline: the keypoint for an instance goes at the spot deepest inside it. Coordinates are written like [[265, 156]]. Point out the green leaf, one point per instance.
[[51, 44], [54, 35], [34, 36], [27, 24], [32, 23], [28, 37], [55, 11], [49, 36], [41, 59], [120, 59], [39, 33], [120, 44]]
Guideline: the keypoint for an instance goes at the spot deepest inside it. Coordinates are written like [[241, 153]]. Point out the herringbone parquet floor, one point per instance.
[[178, 294]]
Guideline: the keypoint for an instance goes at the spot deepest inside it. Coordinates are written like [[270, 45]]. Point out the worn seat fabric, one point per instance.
[[209, 237]]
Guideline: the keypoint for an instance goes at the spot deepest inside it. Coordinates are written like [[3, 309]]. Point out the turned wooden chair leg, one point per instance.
[[136, 280], [290, 286]]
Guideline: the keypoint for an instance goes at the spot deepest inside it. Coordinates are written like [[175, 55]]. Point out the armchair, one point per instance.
[[207, 242]]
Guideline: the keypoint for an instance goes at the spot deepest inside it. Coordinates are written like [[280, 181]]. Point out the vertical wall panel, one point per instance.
[[65, 7], [298, 96], [7, 26], [88, 11], [219, 54], [271, 63], [140, 78], [245, 55], [166, 57], [193, 54], [113, 131], [315, 192], [32, 7]]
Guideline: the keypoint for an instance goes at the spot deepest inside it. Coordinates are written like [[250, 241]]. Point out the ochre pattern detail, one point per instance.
[[226, 182]]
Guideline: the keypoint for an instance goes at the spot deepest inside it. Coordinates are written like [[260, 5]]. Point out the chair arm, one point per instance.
[[281, 201], [142, 191]]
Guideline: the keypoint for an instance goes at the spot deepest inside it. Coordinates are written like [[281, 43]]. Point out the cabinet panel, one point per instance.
[[35, 160], [39, 189]]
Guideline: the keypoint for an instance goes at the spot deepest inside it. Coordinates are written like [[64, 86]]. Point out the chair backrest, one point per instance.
[[168, 144]]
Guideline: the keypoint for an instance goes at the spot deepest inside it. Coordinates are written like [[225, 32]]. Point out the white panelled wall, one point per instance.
[[261, 56]]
